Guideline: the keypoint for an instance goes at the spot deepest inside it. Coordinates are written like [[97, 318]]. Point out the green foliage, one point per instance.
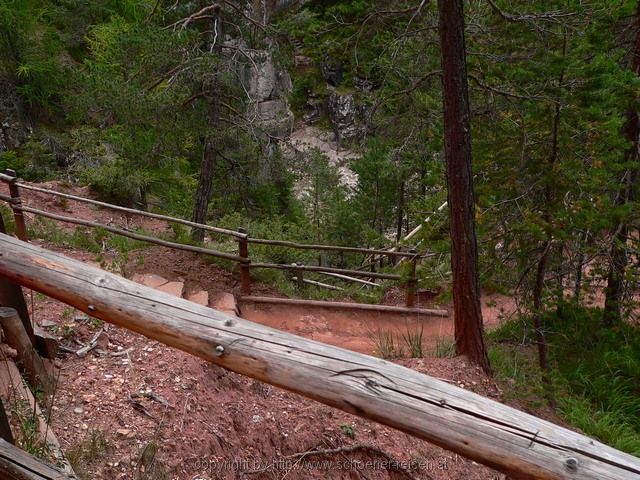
[[384, 343], [10, 159], [348, 430], [413, 341], [87, 452], [444, 347], [8, 218], [595, 372], [117, 183]]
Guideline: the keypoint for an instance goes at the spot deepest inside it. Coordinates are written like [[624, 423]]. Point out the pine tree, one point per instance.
[[460, 197]]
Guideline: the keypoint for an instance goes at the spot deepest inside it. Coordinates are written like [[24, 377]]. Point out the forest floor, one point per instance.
[[133, 408]]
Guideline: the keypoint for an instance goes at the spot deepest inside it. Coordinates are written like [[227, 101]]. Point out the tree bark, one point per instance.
[[205, 185], [460, 196], [209, 153]]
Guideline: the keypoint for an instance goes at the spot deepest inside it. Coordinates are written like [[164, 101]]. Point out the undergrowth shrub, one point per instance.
[[595, 371]]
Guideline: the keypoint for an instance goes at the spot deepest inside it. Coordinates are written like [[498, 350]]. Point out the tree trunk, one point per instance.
[[538, 320], [209, 154], [457, 141], [614, 292], [205, 184], [541, 271], [577, 289], [400, 212], [618, 254]]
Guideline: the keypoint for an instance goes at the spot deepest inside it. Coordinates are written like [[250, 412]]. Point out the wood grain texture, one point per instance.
[[28, 357], [11, 386], [432, 312], [520, 445], [16, 464]]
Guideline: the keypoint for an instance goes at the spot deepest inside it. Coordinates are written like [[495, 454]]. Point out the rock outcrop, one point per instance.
[[345, 115], [268, 88]]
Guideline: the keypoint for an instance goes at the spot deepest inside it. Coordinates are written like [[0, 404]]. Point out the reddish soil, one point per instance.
[[220, 425]]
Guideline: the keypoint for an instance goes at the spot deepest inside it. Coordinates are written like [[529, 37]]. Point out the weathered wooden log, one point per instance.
[[329, 248], [46, 344], [316, 268], [350, 279], [16, 202], [432, 312], [16, 464], [28, 357], [245, 273], [316, 284], [135, 236], [132, 211], [521, 445], [412, 283], [5, 428], [11, 386], [11, 295]]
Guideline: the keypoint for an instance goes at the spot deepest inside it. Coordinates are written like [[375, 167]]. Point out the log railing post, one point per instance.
[[299, 276], [411, 282], [5, 428], [479, 428], [243, 251], [11, 296], [18, 339], [21, 229]]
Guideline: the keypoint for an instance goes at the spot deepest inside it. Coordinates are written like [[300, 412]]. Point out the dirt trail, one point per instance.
[[214, 424], [362, 331]]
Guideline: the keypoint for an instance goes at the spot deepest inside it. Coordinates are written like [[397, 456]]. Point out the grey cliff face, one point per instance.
[[268, 87]]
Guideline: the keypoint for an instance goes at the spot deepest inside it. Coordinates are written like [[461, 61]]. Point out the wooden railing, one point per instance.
[[242, 237], [514, 442]]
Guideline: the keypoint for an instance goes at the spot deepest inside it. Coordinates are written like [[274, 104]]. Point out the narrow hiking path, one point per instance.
[[132, 408]]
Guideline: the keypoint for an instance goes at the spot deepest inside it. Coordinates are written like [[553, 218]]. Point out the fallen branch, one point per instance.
[[91, 345]]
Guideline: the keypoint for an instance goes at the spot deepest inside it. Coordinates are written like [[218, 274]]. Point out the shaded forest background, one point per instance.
[[161, 106]]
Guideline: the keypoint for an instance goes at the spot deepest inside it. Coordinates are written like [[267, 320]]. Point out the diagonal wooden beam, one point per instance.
[[519, 444]]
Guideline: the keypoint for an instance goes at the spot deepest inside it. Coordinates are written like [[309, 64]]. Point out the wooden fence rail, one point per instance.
[[242, 237], [13, 181], [16, 464], [523, 446]]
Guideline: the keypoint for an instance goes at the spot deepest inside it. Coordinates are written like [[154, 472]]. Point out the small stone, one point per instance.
[[256, 418], [172, 288], [78, 410], [201, 298], [226, 302], [150, 280]]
